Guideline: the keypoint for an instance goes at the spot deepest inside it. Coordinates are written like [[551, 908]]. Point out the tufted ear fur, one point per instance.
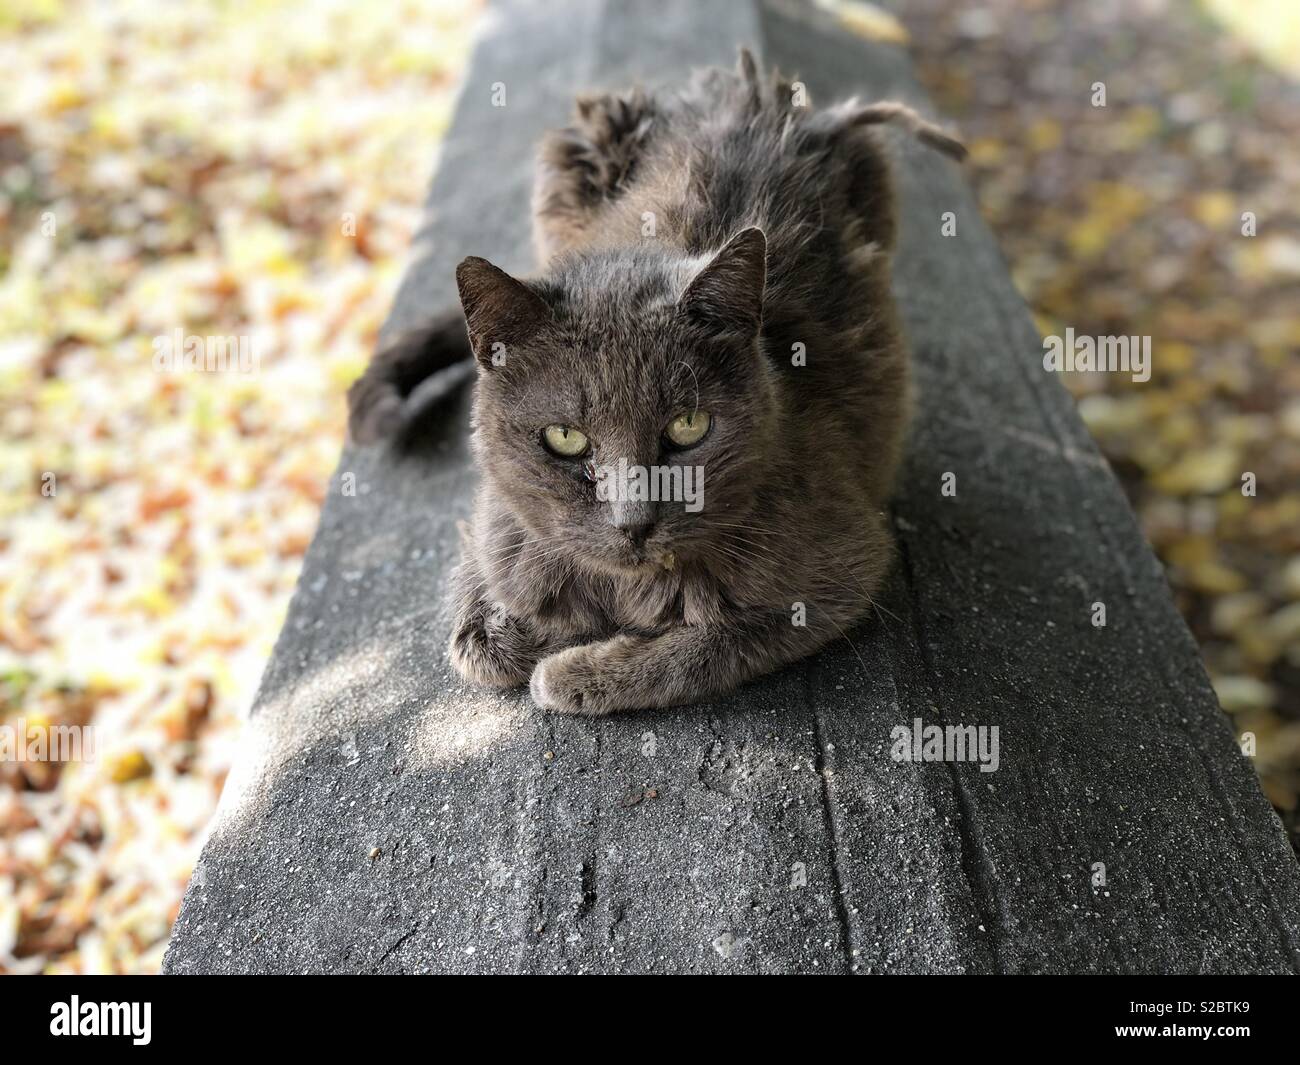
[[727, 294], [499, 309]]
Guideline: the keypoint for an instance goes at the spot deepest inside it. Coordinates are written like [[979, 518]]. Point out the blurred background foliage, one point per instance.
[[241, 168], [258, 169]]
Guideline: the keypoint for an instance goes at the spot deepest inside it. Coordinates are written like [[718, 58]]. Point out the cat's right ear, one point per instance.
[[727, 294], [499, 310]]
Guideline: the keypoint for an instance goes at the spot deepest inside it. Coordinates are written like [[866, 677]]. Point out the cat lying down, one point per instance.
[[688, 422]]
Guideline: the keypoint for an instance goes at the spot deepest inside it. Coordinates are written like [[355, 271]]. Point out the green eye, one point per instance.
[[564, 441], [686, 430]]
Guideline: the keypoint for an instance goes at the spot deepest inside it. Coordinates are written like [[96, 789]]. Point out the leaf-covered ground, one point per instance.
[[229, 169], [257, 169]]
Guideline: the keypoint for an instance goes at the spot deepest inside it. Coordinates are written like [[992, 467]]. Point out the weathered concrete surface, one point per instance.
[[387, 818]]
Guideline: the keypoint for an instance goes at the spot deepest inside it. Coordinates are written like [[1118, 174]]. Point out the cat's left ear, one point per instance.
[[499, 310], [727, 294]]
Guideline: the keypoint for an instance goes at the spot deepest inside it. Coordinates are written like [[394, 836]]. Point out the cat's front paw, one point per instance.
[[590, 679], [494, 649]]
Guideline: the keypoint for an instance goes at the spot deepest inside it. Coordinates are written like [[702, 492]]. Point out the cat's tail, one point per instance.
[[376, 398], [777, 91], [854, 114]]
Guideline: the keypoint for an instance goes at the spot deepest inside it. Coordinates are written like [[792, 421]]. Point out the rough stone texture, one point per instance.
[[387, 818]]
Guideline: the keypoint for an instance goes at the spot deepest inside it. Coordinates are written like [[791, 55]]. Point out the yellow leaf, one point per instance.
[[1044, 135], [867, 20], [1215, 209], [1215, 578], [128, 766], [1211, 469]]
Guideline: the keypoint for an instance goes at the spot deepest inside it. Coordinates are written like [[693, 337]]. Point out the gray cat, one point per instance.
[[688, 423]]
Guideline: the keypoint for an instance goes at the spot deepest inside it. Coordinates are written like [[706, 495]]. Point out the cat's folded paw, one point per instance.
[[565, 683], [493, 649], [589, 679]]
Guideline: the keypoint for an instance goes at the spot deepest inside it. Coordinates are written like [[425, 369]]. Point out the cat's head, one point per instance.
[[621, 376]]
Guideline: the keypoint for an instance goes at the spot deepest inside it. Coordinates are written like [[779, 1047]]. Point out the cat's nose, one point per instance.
[[636, 519]]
